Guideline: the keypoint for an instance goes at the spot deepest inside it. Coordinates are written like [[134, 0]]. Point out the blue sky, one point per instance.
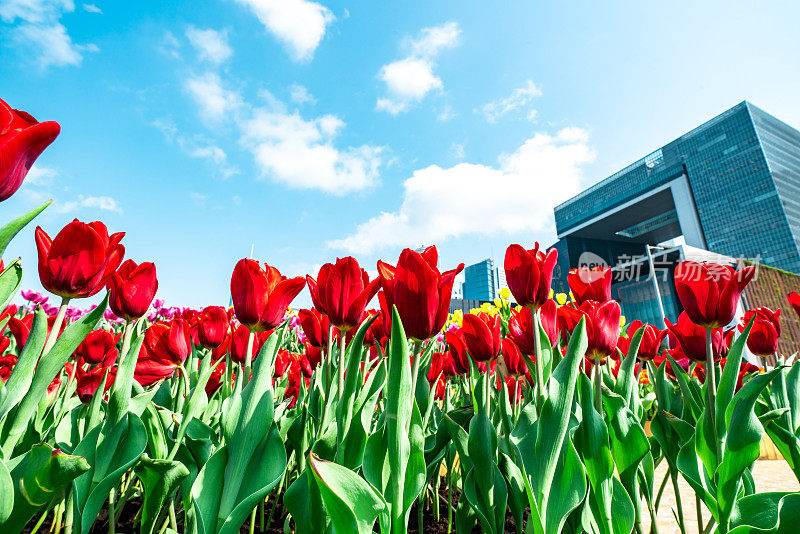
[[312, 130]]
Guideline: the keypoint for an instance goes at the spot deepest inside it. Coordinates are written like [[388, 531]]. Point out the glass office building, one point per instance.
[[730, 186], [482, 281]]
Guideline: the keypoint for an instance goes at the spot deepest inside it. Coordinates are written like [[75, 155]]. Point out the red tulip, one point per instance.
[[98, 347], [221, 351], [261, 296], [512, 363], [11, 309], [482, 336], [315, 326], [514, 386], [520, 326], [216, 379], [131, 289], [166, 346], [22, 139], [79, 261], [602, 328], [21, 328], [763, 338], [7, 364], [692, 338], [458, 351], [567, 318], [377, 330], [709, 292], [649, 347], [342, 292], [794, 300], [212, 326], [313, 355], [590, 284], [87, 382], [529, 274], [5, 341], [419, 291], [239, 343]]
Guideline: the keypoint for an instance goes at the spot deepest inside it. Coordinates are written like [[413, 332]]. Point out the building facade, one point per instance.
[[731, 187], [483, 280]]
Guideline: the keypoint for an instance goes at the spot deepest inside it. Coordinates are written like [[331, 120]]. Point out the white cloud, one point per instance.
[[300, 95], [408, 80], [434, 39], [214, 100], [299, 24], [91, 8], [39, 28], [40, 175], [101, 202], [196, 147], [301, 153], [211, 45], [515, 196], [198, 199], [520, 98]]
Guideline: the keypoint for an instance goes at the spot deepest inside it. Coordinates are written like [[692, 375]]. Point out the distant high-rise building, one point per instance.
[[483, 280], [731, 186]]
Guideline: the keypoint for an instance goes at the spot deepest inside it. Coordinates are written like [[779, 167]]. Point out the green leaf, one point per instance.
[[39, 478], [594, 446], [47, 369], [350, 502], [727, 382], [159, 480], [304, 503], [6, 493], [22, 374], [10, 280], [484, 486], [762, 513], [109, 458], [626, 381], [744, 441], [11, 229]]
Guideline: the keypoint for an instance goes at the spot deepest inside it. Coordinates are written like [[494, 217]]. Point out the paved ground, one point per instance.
[[770, 475]]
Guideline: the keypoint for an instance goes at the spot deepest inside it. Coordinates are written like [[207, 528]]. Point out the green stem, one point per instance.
[[662, 487], [342, 348], [68, 512], [51, 339], [678, 503], [173, 521], [417, 350], [248, 356], [537, 347], [328, 362], [711, 386], [598, 381], [41, 520], [253, 520], [699, 510], [111, 514]]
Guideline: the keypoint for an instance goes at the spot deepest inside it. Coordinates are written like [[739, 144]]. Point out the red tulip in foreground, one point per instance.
[[513, 364], [763, 339], [520, 326], [650, 345], [166, 346], [419, 290], [132, 289], [692, 338], [482, 336], [79, 260], [212, 326], [794, 301], [342, 292], [261, 296], [590, 284], [710, 292], [22, 139], [602, 328], [529, 274], [100, 346]]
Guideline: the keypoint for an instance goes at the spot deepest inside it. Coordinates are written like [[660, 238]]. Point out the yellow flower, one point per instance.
[[550, 295], [621, 320], [505, 294], [561, 298], [498, 303]]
